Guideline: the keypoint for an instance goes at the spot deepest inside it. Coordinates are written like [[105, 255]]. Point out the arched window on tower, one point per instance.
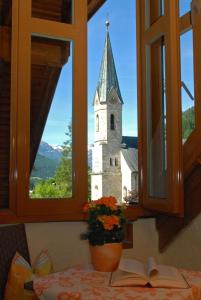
[[112, 123], [116, 161], [96, 192], [111, 161], [97, 123]]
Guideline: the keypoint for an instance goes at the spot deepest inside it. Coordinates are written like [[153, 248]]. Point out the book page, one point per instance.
[[151, 267], [123, 278], [133, 266], [168, 276]]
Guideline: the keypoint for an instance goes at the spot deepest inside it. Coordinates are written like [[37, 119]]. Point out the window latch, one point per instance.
[[195, 10]]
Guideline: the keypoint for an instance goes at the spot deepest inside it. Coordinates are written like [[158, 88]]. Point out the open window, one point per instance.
[[160, 143], [47, 42], [190, 31]]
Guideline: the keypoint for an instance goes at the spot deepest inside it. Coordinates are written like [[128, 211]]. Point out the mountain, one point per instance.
[[53, 153], [44, 167], [48, 159]]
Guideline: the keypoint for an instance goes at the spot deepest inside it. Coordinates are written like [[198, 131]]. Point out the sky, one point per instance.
[[121, 14]]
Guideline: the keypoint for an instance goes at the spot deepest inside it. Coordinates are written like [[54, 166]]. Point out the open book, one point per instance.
[[134, 273]]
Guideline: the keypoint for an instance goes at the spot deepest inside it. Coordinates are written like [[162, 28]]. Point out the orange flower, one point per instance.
[[109, 202], [109, 221]]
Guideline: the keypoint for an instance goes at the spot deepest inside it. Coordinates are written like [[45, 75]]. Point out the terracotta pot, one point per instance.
[[106, 258]]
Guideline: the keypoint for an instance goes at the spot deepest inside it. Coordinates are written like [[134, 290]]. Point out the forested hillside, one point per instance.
[[188, 122]]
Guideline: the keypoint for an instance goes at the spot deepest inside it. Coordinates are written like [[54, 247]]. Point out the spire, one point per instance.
[[108, 76]]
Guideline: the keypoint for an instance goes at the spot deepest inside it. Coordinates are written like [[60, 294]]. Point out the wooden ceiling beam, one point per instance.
[[45, 53], [93, 6]]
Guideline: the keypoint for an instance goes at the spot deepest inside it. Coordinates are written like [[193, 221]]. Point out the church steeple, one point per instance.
[[108, 76]]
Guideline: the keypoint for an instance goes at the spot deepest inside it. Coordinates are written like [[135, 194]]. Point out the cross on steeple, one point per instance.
[[107, 23]]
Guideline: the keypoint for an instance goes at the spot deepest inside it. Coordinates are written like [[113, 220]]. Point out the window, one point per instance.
[[39, 51], [190, 30], [97, 123], [49, 43], [187, 84], [51, 166], [112, 122], [116, 161], [112, 88], [159, 102], [184, 6]]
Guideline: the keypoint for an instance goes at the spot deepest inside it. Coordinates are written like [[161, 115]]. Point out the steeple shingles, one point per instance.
[[108, 76]]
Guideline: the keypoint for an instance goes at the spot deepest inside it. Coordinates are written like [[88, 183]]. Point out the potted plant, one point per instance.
[[105, 232]]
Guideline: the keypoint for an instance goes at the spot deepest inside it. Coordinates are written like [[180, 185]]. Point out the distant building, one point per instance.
[[114, 157]]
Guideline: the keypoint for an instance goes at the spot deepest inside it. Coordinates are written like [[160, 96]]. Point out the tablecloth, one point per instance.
[[83, 283]]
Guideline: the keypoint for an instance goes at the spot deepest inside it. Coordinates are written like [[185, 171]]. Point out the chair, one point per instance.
[[12, 239]]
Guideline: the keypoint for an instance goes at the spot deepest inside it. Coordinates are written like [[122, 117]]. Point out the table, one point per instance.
[[83, 283]]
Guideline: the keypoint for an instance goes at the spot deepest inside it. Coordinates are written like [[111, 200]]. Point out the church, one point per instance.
[[114, 156]]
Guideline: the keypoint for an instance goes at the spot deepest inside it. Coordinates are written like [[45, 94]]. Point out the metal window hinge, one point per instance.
[[195, 10]]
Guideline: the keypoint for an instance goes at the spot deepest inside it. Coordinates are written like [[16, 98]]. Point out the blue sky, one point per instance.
[[122, 30]]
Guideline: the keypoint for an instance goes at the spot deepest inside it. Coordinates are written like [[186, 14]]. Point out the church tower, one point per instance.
[[106, 179]]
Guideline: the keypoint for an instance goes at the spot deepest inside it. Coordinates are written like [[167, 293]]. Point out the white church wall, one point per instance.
[[96, 187], [111, 151], [112, 186], [97, 158], [134, 181], [100, 110], [115, 108], [126, 176]]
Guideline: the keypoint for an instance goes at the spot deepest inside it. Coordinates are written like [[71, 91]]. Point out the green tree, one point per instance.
[[60, 185], [63, 175], [45, 189], [188, 122]]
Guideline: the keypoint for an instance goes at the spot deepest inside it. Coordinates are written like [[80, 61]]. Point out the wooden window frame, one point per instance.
[[167, 26], [192, 147], [21, 208]]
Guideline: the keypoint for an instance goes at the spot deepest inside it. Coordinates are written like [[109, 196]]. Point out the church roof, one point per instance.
[[131, 157], [108, 75], [129, 142]]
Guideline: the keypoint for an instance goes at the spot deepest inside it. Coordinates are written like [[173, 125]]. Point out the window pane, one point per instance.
[[5, 101], [154, 9], [113, 153], [187, 84], [54, 10], [51, 119], [156, 121], [184, 6]]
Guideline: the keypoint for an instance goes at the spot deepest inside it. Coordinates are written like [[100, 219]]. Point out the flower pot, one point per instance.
[[106, 258]]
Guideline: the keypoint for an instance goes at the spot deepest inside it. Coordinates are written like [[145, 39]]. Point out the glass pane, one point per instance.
[[112, 108], [154, 9], [184, 6], [5, 101], [51, 119], [54, 10], [187, 84], [156, 121]]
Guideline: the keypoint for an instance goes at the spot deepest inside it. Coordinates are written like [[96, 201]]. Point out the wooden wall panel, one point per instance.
[[4, 133], [168, 227]]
